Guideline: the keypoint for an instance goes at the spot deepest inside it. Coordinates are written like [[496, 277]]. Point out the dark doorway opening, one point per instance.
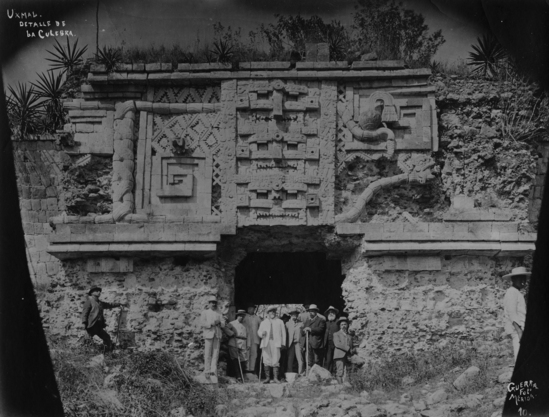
[[289, 278]]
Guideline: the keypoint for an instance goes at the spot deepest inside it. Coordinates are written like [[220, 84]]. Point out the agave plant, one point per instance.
[[24, 109], [67, 59], [50, 88], [487, 56], [110, 57], [222, 50]]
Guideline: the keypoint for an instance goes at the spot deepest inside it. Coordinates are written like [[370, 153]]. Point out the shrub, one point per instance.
[[389, 371]]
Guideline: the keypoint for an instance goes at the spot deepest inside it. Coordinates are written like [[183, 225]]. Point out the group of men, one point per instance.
[[324, 340]]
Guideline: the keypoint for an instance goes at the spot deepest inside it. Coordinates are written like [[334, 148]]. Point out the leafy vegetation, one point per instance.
[[110, 57], [141, 384], [487, 56], [50, 88], [67, 59], [24, 109]]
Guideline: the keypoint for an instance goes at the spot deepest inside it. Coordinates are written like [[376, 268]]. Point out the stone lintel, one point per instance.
[[448, 248], [73, 251]]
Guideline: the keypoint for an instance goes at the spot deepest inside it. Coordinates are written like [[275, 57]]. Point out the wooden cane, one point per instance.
[[260, 361], [240, 366], [307, 353]]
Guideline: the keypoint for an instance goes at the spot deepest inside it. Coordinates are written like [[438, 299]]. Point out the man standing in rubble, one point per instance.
[[331, 328], [313, 329], [238, 344], [343, 344], [273, 337], [515, 306], [211, 321], [294, 346], [252, 322], [93, 319]]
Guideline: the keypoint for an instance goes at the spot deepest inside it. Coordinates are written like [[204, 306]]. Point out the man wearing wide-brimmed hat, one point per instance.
[[343, 348], [273, 337], [252, 322], [313, 329], [294, 346], [93, 319], [238, 344], [211, 321], [331, 327], [515, 306]]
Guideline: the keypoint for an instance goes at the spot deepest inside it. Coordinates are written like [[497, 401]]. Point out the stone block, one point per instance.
[[466, 378], [373, 231], [130, 233], [480, 231], [346, 229], [52, 268], [424, 263], [155, 232]]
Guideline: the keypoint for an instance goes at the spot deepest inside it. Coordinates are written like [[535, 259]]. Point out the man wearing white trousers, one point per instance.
[[273, 337], [211, 321], [515, 306]]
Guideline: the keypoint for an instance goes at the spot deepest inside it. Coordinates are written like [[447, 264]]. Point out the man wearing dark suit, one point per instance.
[[343, 348], [331, 328], [314, 328], [93, 319]]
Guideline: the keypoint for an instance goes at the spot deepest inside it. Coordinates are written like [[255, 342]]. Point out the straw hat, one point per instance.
[[518, 271], [272, 308], [212, 299], [312, 307], [240, 313], [342, 319]]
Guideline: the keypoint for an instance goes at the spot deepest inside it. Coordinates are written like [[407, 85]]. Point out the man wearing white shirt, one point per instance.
[[273, 337], [515, 306], [211, 321]]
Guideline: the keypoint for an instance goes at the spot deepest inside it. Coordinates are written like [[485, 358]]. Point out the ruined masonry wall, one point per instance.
[[38, 169], [164, 298], [397, 311]]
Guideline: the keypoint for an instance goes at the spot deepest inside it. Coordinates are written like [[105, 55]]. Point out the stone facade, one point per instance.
[[209, 164]]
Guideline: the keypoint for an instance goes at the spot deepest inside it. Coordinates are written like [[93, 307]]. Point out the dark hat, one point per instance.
[[335, 310], [272, 308], [240, 313], [93, 289], [342, 319]]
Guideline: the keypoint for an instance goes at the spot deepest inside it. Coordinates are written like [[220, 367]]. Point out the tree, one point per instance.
[[291, 33], [394, 33]]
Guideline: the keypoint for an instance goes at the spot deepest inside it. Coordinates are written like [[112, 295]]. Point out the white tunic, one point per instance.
[[514, 309]]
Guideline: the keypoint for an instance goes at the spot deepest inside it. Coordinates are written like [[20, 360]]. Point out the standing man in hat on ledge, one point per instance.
[[314, 328], [273, 337], [211, 321], [252, 322], [515, 306], [93, 319], [343, 348], [331, 328]]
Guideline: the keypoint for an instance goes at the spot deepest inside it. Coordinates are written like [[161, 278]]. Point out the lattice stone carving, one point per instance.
[[206, 94], [285, 152]]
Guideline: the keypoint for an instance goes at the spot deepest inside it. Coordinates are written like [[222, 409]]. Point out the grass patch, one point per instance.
[[391, 372], [142, 384]]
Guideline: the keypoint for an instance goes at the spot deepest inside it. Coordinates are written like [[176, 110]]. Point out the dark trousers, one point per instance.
[[314, 356], [97, 330], [329, 359]]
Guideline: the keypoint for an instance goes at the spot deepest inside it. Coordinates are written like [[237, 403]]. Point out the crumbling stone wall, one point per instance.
[[402, 304], [164, 297], [39, 167]]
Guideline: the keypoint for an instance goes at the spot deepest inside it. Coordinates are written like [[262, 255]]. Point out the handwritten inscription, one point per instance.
[[522, 393], [39, 28]]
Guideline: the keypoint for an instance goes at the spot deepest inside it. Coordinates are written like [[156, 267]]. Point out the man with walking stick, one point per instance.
[[238, 344], [313, 330]]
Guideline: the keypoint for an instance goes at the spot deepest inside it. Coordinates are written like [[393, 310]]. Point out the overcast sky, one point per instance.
[[145, 22]]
